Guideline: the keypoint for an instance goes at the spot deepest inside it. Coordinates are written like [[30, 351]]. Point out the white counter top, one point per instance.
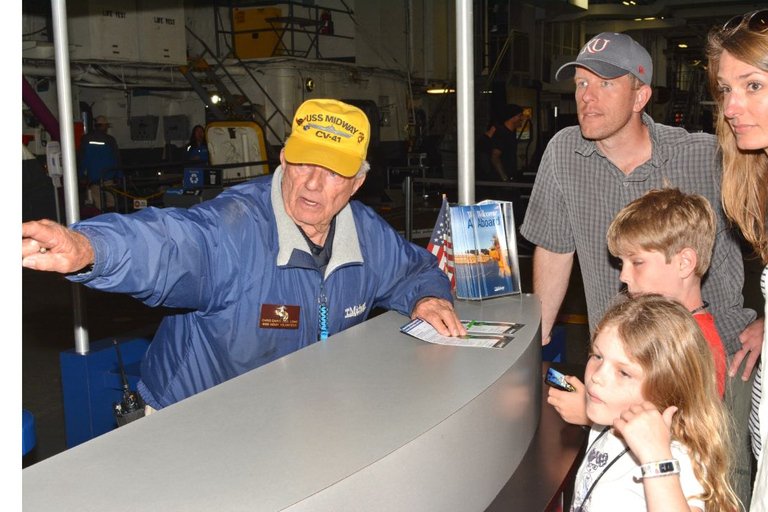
[[370, 419]]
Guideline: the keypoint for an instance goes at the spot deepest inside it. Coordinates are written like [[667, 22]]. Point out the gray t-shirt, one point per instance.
[[578, 192]]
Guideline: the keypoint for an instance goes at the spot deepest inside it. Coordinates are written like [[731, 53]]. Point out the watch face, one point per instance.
[[666, 467]]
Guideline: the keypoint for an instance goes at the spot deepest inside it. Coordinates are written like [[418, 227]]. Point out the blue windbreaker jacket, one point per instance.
[[223, 259]]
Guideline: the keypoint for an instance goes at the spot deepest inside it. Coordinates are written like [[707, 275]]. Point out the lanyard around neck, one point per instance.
[[613, 461], [700, 308]]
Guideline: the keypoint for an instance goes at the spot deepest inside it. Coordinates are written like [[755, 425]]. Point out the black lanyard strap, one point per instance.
[[592, 487]]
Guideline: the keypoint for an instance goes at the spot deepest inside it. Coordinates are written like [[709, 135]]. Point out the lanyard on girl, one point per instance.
[[592, 487]]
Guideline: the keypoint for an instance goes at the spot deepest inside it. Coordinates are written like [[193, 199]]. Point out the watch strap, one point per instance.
[[660, 468]]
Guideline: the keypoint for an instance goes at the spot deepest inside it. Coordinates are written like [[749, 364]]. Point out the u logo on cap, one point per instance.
[[595, 45]]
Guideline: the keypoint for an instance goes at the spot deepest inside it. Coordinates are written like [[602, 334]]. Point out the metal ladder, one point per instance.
[[213, 76]]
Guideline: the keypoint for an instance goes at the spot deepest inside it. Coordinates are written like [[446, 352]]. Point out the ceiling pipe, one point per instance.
[[126, 72], [655, 9]]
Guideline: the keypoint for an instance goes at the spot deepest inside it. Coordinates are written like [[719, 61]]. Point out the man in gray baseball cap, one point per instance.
[[591, 171], [611, 55]]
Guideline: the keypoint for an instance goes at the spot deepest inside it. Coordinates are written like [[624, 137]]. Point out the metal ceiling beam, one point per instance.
[[684, 9]]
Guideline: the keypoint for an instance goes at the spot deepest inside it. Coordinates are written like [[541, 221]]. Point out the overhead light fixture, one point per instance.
[[682, 45], [625, 3], [651, 18], [638, 19], [440, 90], [215, 99]]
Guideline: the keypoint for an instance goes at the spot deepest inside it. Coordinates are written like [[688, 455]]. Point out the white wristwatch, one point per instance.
[[660, 468]]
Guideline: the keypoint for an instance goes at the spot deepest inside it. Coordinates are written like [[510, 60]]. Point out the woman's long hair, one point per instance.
[[745, 172], [665, 340], [192, 141]]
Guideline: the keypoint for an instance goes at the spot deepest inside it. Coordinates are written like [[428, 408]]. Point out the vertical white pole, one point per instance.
[[465, 92], [71, 199]]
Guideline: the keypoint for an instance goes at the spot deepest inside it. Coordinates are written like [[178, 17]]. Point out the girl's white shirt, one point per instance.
[[621, 487]]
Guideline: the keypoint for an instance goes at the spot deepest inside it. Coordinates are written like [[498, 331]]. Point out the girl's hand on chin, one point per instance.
[[646, 431]]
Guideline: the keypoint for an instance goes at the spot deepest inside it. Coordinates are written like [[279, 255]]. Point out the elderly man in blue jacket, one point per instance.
[[262, 270]]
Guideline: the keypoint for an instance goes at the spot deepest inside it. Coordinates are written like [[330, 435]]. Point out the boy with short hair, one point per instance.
[[664, 240]]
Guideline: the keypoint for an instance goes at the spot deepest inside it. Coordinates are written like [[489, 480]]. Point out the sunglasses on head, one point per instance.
[[756, 21]]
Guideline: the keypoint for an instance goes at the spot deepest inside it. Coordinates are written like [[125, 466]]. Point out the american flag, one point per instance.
[[440, 244]]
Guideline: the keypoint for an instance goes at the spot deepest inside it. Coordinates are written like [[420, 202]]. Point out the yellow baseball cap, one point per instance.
[[331, 134]]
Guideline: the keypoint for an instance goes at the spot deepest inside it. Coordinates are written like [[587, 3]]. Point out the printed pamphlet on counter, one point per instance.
[[484, 250], [479, 333]]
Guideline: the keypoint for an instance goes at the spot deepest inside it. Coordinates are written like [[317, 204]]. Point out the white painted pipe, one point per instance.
[[71, 199], [465, 105]]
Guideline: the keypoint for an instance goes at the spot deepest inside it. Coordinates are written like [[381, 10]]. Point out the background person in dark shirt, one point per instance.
[[98, 156], [197, 149], [484, 170], [504, 144]]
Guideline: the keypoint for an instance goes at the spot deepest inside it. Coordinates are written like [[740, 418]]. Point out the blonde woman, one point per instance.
[[738, 73]]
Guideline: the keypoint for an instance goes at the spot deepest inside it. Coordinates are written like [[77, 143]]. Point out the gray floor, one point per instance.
[[47, 330]]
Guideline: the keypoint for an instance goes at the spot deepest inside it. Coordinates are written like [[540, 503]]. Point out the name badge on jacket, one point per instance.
[[279, 316]]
